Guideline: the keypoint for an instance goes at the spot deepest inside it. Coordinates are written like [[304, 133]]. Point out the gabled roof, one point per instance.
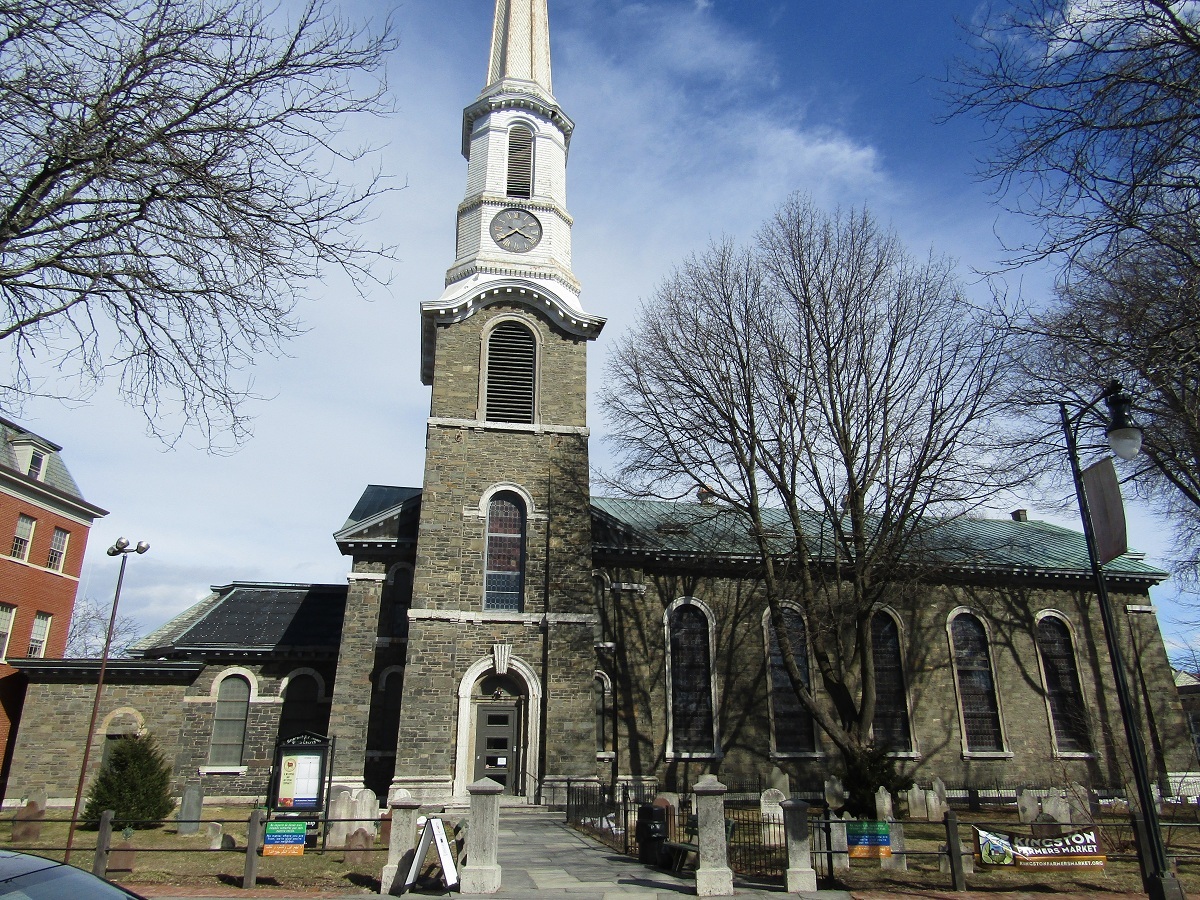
[[384, 516], [253, 618], [683, 531]]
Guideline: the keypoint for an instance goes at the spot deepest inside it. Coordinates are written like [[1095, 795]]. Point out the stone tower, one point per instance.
[[498, 677]]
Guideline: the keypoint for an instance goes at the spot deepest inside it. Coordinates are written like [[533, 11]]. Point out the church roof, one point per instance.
[[384, 517], [255, 618], [521, 44], [688, 530]]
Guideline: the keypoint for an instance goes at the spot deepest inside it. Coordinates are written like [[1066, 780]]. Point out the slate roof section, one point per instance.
[[384, 516], [682, 530], [252, 617], [55, 476]]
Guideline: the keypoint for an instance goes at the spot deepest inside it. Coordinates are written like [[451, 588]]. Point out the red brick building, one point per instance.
[[44, 524]]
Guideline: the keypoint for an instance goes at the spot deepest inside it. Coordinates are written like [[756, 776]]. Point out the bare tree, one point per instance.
[[172, 175], [89, 626], [1092, 109], [828, 380]]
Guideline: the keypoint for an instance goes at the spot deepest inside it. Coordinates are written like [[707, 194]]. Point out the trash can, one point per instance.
[[651, 832]]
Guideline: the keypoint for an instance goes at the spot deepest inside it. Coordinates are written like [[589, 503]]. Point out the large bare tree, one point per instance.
[[172, 173], [828, 374]]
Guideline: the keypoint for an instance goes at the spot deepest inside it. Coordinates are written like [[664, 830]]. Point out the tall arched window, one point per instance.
[[229, 722], [792, 723], [976, 686], [300, 712], [890, 725], [504, 565], [511, 370], [691, 681], [520, 162], [1062, 686]]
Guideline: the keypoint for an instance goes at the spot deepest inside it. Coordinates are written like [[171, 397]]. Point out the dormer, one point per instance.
[[32, 454]]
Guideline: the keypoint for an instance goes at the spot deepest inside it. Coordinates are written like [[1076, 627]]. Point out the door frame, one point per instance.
[[531, 726]]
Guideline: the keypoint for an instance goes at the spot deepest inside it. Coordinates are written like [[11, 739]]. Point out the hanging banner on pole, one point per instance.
[[1078, 848], [1103, 493]]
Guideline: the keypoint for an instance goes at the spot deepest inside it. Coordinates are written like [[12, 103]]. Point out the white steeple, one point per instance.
[[514, 231]]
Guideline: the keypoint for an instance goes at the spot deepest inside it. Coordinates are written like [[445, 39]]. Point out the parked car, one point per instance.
[[26, 877]]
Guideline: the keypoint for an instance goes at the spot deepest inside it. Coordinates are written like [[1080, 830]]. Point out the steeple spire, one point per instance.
[[521, 44]]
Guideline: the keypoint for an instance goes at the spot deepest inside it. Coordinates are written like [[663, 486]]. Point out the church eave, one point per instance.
[[536, 103]]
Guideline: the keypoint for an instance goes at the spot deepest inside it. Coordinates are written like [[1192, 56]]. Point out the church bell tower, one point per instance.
[[498, 677]]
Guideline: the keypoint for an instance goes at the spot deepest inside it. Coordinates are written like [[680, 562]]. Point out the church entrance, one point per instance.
[[499, 705]]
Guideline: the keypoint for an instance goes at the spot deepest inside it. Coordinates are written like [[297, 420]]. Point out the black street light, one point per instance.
[[1125, 440], [122, 549]]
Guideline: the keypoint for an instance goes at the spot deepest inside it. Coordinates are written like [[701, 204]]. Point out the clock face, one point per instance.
[[516, 230]]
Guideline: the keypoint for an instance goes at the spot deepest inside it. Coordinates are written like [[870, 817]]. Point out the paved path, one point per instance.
[[542, 859]]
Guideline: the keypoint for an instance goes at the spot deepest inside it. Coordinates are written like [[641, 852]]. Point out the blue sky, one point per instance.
[[694, 118]]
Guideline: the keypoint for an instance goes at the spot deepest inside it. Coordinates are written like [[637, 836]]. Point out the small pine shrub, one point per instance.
[[135, 783]]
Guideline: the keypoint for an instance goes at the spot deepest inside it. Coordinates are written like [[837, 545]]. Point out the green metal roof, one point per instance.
[[683, 529]]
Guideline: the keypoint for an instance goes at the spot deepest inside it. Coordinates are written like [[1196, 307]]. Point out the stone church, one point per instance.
[[499, 621]]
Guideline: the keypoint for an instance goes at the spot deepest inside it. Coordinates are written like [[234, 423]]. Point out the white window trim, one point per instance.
[[24, 557], [48, 618], [1037, 651], [671, 752], [222, 770], [62, 559], [1006, 751]]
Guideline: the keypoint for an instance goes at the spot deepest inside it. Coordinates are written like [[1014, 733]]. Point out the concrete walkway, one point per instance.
[[542, 859]]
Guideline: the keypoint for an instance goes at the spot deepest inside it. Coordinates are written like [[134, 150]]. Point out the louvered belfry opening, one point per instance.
[[511, 364], [520, 162]]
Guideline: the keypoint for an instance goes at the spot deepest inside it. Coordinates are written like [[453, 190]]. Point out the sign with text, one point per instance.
[[284, 838], [1077, 848], [298, 779], [869, 840]]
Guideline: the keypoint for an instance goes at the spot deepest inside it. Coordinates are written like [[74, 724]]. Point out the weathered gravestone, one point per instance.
[[122, 858], [341, 817], [191, 807], [883, 805], [897, 862], [916, 803], [939, 788], [1028, 806], [27, 824], [215, 833], [1079, 798], [39, 797], [1058, 808], [358, 847], [366, 811], [839, 842], [385, 829], [835, 793], [771, 808], [935, 810]]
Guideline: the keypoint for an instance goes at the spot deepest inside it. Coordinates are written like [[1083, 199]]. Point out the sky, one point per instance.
[[694, 120]]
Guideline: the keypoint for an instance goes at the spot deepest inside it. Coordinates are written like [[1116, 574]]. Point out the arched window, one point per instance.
[[504, 565], [511, 368], [229, 722], [520, 162], [976, 686], [890, 725], [792, 723], [691, 681], [1062, 686], [301, 712]]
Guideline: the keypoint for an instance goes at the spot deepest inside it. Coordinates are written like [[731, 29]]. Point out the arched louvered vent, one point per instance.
[[520, 162], [511, 363]]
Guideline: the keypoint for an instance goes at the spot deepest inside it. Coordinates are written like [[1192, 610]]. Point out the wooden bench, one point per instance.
[[677, 852]]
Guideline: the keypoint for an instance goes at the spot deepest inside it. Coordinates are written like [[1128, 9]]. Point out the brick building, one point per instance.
[[499, 621], [47, 521]]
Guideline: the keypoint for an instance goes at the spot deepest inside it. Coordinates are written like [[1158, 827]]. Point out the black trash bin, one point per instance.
[[651, 832]]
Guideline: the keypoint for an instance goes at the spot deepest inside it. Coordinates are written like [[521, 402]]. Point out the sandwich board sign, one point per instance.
[[433, 833]]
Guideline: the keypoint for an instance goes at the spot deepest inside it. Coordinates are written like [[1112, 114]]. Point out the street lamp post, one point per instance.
[[122, 549], [1125, 440]]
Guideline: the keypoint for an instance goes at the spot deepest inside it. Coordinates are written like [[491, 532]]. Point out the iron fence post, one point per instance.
[[954, 849]]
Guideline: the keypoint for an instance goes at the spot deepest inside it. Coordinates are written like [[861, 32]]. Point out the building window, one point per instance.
[[58, 549], [7, 614], [691, 681], [37, 459], [300, 712], [504, 567], [229, 722], [39, 635], [890, 725], [511, 367], [600, 707], [976, 686], [1063, 692], [23, 536], [792, 723], [520, 162]]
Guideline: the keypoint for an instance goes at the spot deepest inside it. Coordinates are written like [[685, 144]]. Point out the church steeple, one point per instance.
[[521, 44], [514, 230]]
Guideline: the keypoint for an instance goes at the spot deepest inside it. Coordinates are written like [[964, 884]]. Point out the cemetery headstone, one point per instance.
[[27, 824], [39, 797], [916, 804], [358, 847], [341, 815], [1046, 826], [1079, 799], [839, 843], [770, 806], [835, 793], [215, 832], [1028, 806], [897, 861], [366, 811], [934, 809], [122, 858], [883, 804], [1057, 808], [191, 807], [939, 788]]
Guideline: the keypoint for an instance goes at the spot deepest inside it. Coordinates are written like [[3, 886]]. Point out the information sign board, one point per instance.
[[1078, 848], [869, 840], [284, 837]]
